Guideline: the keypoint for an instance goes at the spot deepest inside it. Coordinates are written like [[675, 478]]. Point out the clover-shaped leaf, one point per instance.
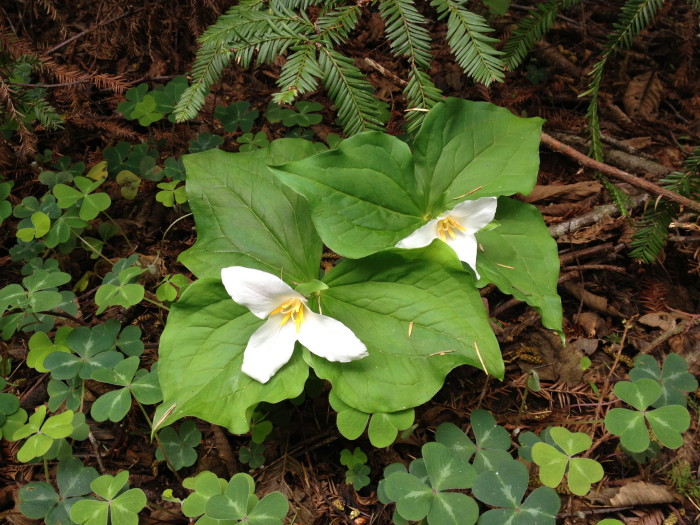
[[121, 289], [357, 473], [250, 142], [418, 493], [114, 405], [180, 446], [171, 193], [70, 392], [167, 96], [553, 463], [667, 422], [40, 346], [238, 502], [492, 441], [39, 500], [237, 115], [306, 116], [505, 487], [42, 433], [205, 485], [93, 349], [204, 141], [675, 379], [5, 206], [252, 455], [457, 441], [140, 105], [383, 427], [350, 459], [116, 504], [357, 476], [91, 204]]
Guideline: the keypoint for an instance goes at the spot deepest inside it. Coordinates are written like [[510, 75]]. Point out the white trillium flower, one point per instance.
[[457, 228], [289, 320]]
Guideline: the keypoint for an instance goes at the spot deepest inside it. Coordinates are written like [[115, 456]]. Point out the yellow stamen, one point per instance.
[[447, 226], [291, 309]]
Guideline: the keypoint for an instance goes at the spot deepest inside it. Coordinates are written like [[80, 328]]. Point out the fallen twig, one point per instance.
[[618, 174]]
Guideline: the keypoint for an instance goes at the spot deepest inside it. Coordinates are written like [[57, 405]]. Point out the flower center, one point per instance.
[[291, 309], [447, 227]]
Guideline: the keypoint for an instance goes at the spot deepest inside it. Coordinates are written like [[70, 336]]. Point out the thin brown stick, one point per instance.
[[618, 174], [91, 29]]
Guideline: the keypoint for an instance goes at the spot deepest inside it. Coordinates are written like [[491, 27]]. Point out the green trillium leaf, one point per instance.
[[521, 258], [206, 335], [432, 315], [372, 192], [475, 148], [245, 217]]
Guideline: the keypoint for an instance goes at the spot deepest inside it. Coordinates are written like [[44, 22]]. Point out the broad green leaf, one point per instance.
[[206, 335], [245, 217], [413, 498], [475, 148], [445, 470], [640, 393], [362, 195], [431, 314], [351, 423], [521, 258], [668, 423], [629, 426], [9, 404], [451, 508], [383, 428]]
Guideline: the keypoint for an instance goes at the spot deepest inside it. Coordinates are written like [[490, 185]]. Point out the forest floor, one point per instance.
[[614, 307]]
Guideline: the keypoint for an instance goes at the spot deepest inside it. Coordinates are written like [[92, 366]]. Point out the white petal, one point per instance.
[[423, 236], [269, 348], [259, 291], [329, 338], [465, 246], [474, 215]]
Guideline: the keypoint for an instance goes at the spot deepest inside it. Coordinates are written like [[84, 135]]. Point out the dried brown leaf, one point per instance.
[[640, 493], [643, 96], [572, 192]]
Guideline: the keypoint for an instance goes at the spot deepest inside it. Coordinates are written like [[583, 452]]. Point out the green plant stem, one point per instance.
[[128, 242], [46, 469], [159, 442], [156, 303], [174, 223], [90, 246]]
